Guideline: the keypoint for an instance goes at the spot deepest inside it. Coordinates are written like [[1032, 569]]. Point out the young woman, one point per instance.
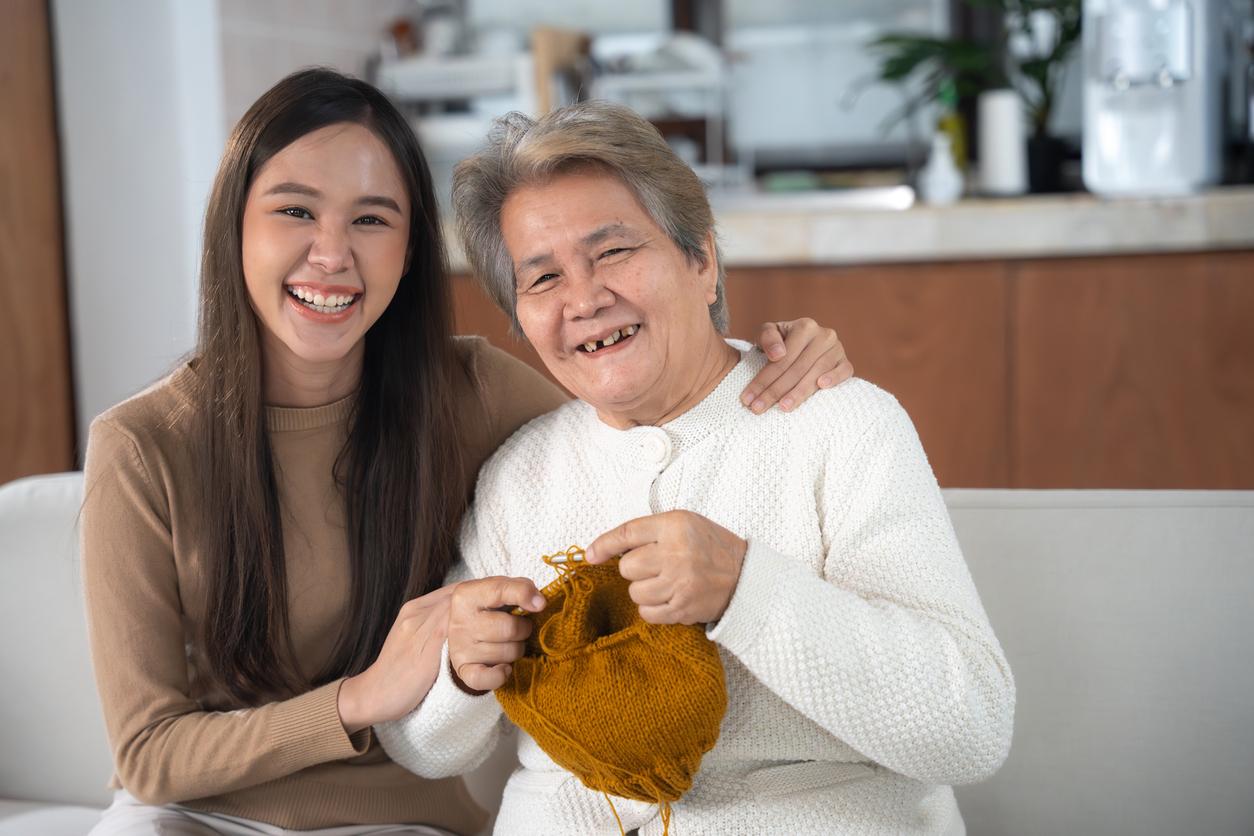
[[266, 530]]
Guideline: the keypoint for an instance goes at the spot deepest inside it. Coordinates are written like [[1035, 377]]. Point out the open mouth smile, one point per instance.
[[615, 338], [327, 304]]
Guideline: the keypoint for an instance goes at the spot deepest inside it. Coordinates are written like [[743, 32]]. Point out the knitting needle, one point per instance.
[[567, 558]]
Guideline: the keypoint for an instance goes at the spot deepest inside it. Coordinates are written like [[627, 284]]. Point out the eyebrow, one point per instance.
[[593, 238], [310, 191]]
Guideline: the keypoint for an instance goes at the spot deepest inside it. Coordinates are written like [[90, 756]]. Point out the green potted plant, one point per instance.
[[1029, 53]]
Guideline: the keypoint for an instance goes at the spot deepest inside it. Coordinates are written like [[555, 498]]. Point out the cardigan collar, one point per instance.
[[653, 448]]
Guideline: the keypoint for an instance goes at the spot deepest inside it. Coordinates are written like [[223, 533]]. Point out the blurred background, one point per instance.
[[1031, 220]]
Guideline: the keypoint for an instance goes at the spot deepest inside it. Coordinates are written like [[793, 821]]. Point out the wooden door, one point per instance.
[[36, 407]]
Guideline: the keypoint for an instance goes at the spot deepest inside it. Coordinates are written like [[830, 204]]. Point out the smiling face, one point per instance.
[[617, 312], [325, 236]]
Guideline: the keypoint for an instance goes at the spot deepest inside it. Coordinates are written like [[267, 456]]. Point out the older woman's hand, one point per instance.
[[683, 568], [484, 639], [803, 356]]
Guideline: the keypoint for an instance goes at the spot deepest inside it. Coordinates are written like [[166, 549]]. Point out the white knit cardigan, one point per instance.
[[863, 677]]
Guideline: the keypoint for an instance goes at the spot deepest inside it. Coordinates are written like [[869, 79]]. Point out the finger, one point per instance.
[[837, 376], [771, 340], [502, 592], [630, 535], [641, 563], [651, 592], [491, 653], [816, 379], [800, 336], [833, 357], [490, 627], [796, 372], [800, 393], [658, 614], [483, 677]]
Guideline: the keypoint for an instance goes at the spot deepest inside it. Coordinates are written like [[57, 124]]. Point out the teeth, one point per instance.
[[620, 334], [331, 303]]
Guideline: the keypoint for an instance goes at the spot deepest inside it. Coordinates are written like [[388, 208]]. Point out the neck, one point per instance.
[[291, 381], [713, 363]]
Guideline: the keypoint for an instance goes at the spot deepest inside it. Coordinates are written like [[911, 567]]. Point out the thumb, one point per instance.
[[771, 339]]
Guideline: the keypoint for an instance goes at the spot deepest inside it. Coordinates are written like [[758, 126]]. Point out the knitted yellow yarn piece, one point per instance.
[[626, 706]]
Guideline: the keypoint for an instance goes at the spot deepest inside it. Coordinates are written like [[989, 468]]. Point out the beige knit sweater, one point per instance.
[[863, 677], [287, 763]]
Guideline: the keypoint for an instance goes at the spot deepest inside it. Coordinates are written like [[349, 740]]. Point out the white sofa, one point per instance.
[[1128, 617]]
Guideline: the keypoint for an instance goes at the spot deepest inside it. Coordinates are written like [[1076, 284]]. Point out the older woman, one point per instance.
[[862, 675]]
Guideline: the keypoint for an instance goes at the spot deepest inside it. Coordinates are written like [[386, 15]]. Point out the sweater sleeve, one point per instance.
[[452, 731], [890, 649], [166, 748]]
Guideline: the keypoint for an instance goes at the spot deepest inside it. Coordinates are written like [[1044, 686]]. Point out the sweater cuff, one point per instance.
[[744, 620], [412, 740], [449, 697], [307, 730]]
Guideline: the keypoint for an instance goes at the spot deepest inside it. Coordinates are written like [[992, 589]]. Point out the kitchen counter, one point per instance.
[[820, 228]]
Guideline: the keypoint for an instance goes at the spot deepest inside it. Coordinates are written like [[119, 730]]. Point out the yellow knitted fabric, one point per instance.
[[626, 706]]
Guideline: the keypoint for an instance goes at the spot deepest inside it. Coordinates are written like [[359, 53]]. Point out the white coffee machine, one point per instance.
[[1152, 96]]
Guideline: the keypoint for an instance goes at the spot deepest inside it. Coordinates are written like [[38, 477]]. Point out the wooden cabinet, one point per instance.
[[935, 338], [1133, 372], [1113, 372]]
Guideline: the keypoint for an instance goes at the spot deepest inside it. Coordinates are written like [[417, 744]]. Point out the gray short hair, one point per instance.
[[522, 151]]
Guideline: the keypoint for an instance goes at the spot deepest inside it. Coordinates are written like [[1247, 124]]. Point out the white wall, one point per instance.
[[264, 40], [139, 101]]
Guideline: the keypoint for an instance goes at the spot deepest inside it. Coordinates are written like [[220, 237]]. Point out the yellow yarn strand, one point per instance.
[[615, 812]]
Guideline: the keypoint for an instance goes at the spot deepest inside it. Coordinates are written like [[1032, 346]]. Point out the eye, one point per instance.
[[371, 220], [296, 212], [541, 279], [613, 251]]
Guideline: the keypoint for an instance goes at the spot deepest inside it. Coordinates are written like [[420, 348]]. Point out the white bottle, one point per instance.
[[1003, 146], [940, 181]]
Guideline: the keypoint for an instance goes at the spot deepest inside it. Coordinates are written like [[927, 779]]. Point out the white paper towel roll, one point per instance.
[[1003, 148]]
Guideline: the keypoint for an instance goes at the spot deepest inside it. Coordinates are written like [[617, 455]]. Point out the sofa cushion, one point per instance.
[[55, 747], [1126, 617], [19, 818]]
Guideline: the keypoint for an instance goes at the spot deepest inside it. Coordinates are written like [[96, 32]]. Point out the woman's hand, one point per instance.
[[407, 666], [483, 637], [803, 357], [683, 568]]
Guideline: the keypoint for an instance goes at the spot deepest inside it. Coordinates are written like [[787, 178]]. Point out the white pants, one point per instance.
[[128, 816]]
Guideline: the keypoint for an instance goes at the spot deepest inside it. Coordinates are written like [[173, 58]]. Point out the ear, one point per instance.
[[709, 273]]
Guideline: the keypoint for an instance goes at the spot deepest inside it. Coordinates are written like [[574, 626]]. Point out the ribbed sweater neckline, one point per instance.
[[284, 418], [289, 418]]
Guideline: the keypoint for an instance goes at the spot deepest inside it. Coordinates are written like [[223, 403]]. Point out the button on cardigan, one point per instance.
[[863, 676]]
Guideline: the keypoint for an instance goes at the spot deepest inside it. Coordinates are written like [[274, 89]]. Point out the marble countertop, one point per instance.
[[815, 229]]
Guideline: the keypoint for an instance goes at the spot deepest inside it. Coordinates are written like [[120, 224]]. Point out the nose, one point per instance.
[[330, 250], [586, 295]]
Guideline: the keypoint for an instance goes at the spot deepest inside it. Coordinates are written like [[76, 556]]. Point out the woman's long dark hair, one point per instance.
[[400, 470]]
